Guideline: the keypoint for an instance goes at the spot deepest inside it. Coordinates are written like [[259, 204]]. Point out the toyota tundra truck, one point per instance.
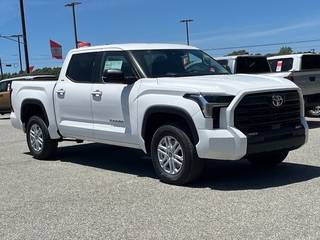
[[174, 102], [302, 69]]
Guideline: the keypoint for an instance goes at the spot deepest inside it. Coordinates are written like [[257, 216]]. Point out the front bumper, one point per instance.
[[225, 144]]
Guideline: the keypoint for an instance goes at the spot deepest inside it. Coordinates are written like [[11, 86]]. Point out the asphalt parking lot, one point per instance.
[[95, 191]]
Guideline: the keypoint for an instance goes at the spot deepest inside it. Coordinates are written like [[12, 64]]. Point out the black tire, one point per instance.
[[315, 112], [39, 142], [173, 155], [269, 160]]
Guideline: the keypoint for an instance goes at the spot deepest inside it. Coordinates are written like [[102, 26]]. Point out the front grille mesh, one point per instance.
[[256, 112]]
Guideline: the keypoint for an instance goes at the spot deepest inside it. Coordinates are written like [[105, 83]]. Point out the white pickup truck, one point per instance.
[[247, 64], [172, 101], [302, 69]]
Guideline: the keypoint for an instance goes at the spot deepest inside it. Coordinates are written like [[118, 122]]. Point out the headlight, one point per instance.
[[208, 102]]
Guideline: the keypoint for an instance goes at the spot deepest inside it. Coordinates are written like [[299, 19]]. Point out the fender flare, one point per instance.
[[174, 111], [25, 116]]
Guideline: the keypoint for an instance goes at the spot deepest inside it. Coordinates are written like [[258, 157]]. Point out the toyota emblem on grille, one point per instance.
[[277, 100]]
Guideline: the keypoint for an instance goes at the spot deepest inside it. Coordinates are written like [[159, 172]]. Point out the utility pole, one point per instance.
[[19, 49], [18, 41], [24, 33], [1, 69]]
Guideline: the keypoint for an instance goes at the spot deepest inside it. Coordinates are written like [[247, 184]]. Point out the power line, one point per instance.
[[260, 45]]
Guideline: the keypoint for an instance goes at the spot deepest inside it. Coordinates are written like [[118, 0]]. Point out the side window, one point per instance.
[[3, 86], [81, 67], [118, 60]]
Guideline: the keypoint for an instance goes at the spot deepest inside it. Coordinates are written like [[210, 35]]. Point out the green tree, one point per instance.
[[285, 50], [46, 70], [239, 52]]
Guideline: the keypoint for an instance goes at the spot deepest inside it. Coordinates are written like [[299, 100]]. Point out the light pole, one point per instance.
[[74, 20], [187, 28]]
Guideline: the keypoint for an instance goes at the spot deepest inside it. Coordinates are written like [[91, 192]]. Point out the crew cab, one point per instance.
[[174, 102]]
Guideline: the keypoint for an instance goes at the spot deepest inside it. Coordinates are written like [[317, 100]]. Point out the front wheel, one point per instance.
[[173, 155], [39, 142], [314, 112], [269, 160]]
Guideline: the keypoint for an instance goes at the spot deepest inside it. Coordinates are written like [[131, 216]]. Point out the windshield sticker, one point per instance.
[[113, 65]]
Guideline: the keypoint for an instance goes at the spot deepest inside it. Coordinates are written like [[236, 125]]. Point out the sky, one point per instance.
[[218, 27]]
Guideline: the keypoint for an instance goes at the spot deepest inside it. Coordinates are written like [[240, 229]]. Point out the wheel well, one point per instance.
[[30, 109], [157, 119]]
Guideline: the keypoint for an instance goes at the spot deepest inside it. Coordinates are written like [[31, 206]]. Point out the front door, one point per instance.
[[114, 104]]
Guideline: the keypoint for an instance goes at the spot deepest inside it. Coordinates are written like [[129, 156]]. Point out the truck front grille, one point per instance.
[[256, 112], [270, 128]]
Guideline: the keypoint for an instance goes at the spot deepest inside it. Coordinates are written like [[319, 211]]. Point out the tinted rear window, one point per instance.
[[281, 64], [310, 62], [252, 65]]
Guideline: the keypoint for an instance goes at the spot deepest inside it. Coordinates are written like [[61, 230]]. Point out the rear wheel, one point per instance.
[[173, 155], [269, 160], [39, 142]]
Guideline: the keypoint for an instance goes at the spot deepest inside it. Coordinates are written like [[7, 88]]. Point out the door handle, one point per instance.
[[312, 79], [61, 91], [97, 93]]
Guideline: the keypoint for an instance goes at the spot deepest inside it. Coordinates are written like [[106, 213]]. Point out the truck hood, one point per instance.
[[229, 84]]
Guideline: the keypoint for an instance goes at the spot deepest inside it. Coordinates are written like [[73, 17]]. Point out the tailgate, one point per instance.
[[308, 81]]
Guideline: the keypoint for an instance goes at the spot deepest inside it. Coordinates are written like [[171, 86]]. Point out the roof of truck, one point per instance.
[[135, 46], [291, 55], [237, 56]]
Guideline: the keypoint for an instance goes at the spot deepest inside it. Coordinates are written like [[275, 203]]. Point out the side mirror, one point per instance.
[[116, 76], [112, 75]]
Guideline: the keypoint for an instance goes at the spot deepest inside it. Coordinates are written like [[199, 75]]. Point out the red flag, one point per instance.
[[56, 50], [31, 68], [83, 44]]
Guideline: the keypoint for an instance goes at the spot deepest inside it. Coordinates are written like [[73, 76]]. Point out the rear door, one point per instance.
[[72, 96]]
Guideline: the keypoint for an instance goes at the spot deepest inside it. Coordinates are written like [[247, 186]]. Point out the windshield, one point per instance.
[[177, 63]]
